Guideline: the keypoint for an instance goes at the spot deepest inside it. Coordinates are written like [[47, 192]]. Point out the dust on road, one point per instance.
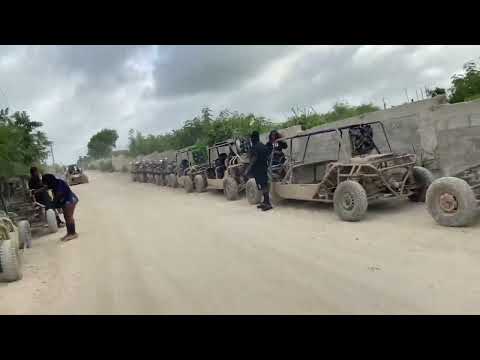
[[145, 249]]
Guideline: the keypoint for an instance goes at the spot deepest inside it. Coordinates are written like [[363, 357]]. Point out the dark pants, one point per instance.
[[263, 187]]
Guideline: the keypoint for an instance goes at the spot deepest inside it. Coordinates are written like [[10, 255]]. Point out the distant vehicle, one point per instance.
[[74, 175]]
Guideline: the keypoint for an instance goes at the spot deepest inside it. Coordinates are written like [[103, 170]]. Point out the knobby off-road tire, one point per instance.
[[254, 196], [52, 221], [275, 198], [200, 183], [188, 184], [230, 188], [451, 202], [350, 201], [10, 261], [173, 180], [424, 178], [24, 234]]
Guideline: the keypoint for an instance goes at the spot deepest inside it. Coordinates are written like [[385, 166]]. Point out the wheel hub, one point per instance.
[[348, 202], [448, 203]]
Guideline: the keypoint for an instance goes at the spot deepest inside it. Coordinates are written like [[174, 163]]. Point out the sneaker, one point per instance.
[[267, 207], [260, 206], [61, 224]]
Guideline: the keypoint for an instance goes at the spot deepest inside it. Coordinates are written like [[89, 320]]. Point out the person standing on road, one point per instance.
[[40, 193], [258, 168], [64, 198]]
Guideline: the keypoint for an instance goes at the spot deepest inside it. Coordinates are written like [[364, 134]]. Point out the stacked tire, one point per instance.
[[10, 256]]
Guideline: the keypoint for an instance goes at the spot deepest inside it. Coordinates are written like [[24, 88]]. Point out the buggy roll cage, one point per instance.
[[232, 145], [189, 151], [338, 131]]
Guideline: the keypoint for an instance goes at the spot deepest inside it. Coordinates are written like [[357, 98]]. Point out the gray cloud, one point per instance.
[[77, 90], [189, 70]]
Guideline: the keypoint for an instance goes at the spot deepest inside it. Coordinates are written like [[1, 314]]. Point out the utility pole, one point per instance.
[[406, 94], [384, 104], [416, 91], [51, 150]]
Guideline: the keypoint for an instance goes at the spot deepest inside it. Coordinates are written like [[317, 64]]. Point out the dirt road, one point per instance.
[[145, 249]]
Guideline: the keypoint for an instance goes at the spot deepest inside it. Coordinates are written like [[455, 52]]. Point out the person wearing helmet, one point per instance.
[[258, 168]]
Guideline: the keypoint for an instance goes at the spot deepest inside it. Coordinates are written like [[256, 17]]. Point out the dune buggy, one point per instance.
[[142, 174], [26, 213], [150, 171], [189, 163], [135, 170], [227, 162], [74, 175], [161, 175], [337, 166]]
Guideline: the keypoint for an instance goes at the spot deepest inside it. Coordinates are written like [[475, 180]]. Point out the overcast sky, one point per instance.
[[78, 90]]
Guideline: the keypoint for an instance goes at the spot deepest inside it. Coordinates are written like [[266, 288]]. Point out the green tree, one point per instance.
[[21, 143], [465, 86], [102, 143], [308, 118]]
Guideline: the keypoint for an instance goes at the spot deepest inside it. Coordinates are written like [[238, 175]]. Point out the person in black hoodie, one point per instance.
[[258, 168]]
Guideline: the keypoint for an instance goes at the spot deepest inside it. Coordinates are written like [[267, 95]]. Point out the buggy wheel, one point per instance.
[[188, 184], [200, 185], [254, 196], [423, 178], [350, 201], [230, 187], [52, 221], [24, 234], [173, 180], [10, 261], [275, 199], [451, 202], [43, 214]]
